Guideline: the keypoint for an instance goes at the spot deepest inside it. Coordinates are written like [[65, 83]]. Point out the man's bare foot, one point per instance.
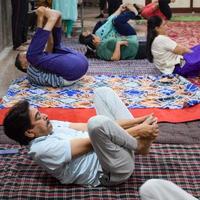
[[145, 130], [140, 120], [51, 14], [150, 120], [131, 8], [21, 48], [144, 145], [40, 11]]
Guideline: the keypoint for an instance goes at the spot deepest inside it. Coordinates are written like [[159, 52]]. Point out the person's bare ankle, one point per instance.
[[52, 14], [40, 11], [144, 146]]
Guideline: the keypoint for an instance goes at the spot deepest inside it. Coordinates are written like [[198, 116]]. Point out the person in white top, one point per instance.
[[168, 56], [158, 189]]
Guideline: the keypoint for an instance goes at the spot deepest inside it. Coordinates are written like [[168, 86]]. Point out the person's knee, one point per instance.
[[116, 22], [102, 91], [96, 123], [81, 62], [147, 188]]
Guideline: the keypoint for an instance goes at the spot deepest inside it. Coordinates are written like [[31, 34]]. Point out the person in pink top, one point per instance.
[[159, 8]]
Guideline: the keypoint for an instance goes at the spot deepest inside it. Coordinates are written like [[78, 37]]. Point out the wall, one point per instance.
[[5, 24], [180, 4], [196, 3]]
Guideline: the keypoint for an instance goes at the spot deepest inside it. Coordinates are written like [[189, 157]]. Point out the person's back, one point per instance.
[[163, 56]]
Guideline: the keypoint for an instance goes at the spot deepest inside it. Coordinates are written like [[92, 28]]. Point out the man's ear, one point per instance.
[[157, 29], [30, 133]]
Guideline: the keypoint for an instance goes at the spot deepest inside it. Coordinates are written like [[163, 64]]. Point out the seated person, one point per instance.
[[58, 67], [168, 56], [156, 8], [115, 39], [101, 151]]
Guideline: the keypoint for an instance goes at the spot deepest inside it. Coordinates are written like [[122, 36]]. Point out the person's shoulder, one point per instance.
[[164, 37], [161, 39], [38, 146]]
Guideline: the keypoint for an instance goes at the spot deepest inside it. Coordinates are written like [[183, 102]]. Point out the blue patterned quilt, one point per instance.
[[172, 92]]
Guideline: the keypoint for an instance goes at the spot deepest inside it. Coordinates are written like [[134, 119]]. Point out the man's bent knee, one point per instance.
[[103, 90], [96, 123]]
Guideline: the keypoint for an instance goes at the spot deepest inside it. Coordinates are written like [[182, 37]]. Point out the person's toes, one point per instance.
[[21, 48]]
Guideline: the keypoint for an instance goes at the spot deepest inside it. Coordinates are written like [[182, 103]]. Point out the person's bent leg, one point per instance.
[[39, 40], [157, 189], [108, 103], [165, 8], [114, 148], [121, 23], [191, 67]]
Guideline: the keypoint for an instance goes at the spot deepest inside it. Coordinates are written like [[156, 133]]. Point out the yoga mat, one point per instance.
[[82, 115], [22, 178]]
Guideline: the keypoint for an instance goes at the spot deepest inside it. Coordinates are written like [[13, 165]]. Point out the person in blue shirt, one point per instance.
[[101, 151], [59, 66]]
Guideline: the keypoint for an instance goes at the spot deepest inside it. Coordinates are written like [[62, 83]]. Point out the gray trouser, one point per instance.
[[157, 189], [112, 144]]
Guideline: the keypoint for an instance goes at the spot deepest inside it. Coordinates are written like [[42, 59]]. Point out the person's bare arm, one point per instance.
[[180, 50], [129, 123], [146, 127], [80, 146], [117, 52]]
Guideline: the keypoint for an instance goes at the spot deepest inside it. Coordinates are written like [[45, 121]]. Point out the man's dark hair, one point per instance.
[[91, 49], [17, 122], [82, 38], [18, 64]]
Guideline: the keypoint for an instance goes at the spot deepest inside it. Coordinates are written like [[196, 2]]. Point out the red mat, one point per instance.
[[82, 115]]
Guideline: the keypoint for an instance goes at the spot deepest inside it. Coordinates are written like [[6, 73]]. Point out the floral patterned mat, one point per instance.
[[172, 92]]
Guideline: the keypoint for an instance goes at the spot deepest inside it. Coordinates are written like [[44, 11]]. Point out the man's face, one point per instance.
[[41, 126], [86, 33], [96, 39], [162, 28], [23, 60]]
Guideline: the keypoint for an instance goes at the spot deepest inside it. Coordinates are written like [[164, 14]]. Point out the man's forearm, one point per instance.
[[80, 146], [117, 53], [129, 123]]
